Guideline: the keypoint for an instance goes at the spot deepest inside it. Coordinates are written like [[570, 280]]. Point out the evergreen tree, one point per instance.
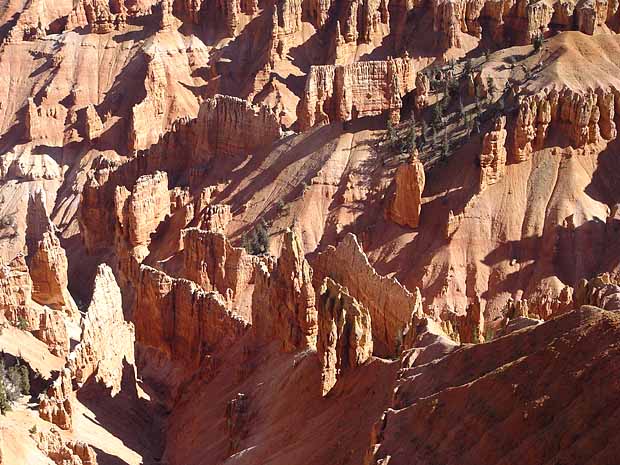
[[423, 132], [538, 42], [5, 405], [445, 149], [262, 238], [491, 88], [462, 112], [437, 115]]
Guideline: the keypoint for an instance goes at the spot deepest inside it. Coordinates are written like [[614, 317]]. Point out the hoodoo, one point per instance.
[[309, 232]]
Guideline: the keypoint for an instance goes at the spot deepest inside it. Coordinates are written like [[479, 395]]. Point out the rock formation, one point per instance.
[[63, 452], [422, 89], [140, 211], [346, 92], [493, 155], [93, 124], [601, 291], [407, 202], [586, 118], [182, 323], [460, 382], [390, 305], [107, 341], [284, 300], [471, 325], [45, 123], [237, 413], [216, 217], [56, 405], [15, 290], [345, 333], [52, 330], [228, 126], [101, 17], [148, 118], [214, 264], [519, 23], [46, 258]]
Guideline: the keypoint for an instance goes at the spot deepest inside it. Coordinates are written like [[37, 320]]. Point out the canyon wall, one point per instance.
[[346, 92]]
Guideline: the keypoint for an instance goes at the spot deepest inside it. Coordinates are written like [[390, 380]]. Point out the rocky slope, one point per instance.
[[309, 232]]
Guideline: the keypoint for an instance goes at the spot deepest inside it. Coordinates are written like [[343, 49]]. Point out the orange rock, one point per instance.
[[107, 341], [182, 323], [15, 289], [283, 303], [63, 452], [45, 124], [94, 126], [390, 304], [46, 258], [214, 264], [493, 156], [216, 217], [346, 92], [56, 405], [53, 331], [230, 126], [407, 202], [344, 335]]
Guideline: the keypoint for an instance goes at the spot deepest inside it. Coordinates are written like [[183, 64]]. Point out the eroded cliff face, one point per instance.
[[586, 117], [47, 260], [346, 92], [107, 340], [345, 333], [163, 134], [406, 204], [517, 22], [230, 126], [493, 155], [63, 452], [56, 405], [390, 311], [15, 289], [214, 264], [179, 324], [284, 299]]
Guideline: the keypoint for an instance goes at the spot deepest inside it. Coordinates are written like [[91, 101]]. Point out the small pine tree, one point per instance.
[[491, 88], [538, 42], [411, 142], [392, 135], [262, 238], [22, 323], [476, 126], [423, 131], [437, 114], [467, 68], [462, 112], [5, 405], [445, 149]]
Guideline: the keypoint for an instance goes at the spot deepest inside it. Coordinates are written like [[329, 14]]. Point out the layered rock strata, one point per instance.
[[404, 208], [180, 321], [284, 300], [107, 342], [346, 92], [47, 260], [493, 155], [390, 305], [344, 334]]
